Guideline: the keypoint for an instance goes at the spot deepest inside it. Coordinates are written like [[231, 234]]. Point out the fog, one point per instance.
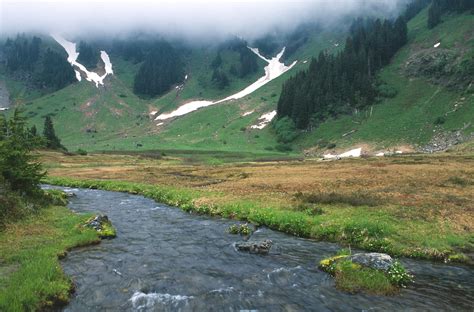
[[190, 19]]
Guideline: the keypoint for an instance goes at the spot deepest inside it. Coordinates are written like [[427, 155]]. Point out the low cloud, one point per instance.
[[190, 19]]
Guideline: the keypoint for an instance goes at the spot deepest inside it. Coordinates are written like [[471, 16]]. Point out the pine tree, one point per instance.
[[18, 168], [52, 141]]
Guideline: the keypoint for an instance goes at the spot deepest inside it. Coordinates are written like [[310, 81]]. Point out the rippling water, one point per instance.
[[166, 260]]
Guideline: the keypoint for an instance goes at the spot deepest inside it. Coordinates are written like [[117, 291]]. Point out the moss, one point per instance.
[[108, 231], [56, 197], [354, 278]]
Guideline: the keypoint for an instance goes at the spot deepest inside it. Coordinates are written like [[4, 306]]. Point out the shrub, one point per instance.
[[440, 120], [399, 276], [353, 199], [285, 130], [283, 148], [242, 229], [81, 152]]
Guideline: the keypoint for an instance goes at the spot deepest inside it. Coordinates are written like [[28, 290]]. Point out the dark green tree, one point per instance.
[[20, 172], [49, 134], [88, 56], [161, 69], [56, 72]]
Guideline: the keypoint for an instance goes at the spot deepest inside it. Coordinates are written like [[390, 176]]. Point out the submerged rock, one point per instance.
[[374, 260], [102, 225], [257, 247]]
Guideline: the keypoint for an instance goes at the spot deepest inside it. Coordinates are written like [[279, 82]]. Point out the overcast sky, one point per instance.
[[194, 19]]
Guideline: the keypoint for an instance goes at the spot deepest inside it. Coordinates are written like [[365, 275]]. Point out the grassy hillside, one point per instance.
[[410, 117], [113, 118]]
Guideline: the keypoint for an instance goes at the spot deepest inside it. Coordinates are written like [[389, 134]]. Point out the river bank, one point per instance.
[[164, 259], [31, 278], [417, 207]]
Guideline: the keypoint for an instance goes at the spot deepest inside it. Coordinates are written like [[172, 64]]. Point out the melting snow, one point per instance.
[[273, 70], [70, 48], [264, 120], [247, 113], [381, 154], [352, 153], [437, 45], [153, 112]]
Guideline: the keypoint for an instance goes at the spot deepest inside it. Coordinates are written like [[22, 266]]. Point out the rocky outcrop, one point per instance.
[[255, 247], [374, 260]]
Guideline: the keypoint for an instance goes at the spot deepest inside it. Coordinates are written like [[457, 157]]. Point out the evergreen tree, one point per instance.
[[56, 72], [88, 56], [220, 79], [18, 169], [342, 83], [52, 141], [217, 62], [161, 69], [434, 15]]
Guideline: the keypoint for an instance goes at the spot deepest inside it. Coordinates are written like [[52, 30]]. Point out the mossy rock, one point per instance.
[[354, 277], [102, 225]]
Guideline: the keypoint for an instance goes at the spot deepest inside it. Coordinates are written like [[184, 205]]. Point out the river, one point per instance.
[[164, 259]]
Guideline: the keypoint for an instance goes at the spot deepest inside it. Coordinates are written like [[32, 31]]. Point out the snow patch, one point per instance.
[[437, 45], [248, 113], [273, 70], [142, 301], [70, 48], [264, 120], [352, 153], [153, 112], [381, 154]]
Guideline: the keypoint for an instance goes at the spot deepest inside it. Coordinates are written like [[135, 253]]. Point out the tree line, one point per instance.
[[247, 64], [44, 67], [162, 67], [341, 83], [439, 7]]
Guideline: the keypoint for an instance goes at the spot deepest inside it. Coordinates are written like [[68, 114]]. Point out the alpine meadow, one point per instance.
[[237, 156]]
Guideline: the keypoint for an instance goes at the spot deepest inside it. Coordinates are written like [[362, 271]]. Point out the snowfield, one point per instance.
[[70, 48], [273, 70], [352, 153], [264, 120]]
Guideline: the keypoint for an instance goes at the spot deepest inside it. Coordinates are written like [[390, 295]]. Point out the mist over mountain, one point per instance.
[[188, 19]]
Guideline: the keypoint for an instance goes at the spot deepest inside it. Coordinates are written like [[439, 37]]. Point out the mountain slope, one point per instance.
[[421, 108], [114, 118]]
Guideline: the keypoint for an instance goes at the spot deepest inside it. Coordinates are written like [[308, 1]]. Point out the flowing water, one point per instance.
[[164, 259]]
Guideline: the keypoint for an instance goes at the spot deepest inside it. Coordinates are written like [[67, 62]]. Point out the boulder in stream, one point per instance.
[[374, 260], [102, 225], [256, 247]]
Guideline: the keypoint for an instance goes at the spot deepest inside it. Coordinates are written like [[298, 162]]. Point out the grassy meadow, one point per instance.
[[414, 206]]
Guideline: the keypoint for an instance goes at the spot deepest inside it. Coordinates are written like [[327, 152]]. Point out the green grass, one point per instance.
[[354, 278], [409, 117], [31, 277], [370, 228]]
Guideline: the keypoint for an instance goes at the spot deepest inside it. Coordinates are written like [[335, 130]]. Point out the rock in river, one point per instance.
[[102, 225], [374, 260], [257, 247]]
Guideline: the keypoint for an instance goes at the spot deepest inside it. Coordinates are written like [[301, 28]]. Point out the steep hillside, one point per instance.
[[114, 118], [434, 102]]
